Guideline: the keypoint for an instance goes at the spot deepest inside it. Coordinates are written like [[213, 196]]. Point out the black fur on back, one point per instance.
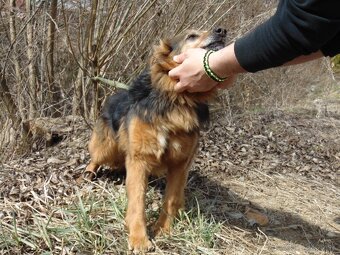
[[143, 100]]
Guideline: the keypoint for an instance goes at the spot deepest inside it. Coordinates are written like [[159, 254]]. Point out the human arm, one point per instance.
[[300, 31], [223, 62], [304, 58], [299, 27]]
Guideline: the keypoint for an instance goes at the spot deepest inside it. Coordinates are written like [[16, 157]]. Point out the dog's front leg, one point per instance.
[[136, 185], [174, 197]]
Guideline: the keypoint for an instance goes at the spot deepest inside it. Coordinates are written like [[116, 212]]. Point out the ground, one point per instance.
[[284, 164]]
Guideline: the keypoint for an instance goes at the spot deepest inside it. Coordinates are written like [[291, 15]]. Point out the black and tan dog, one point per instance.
[[151, 129]]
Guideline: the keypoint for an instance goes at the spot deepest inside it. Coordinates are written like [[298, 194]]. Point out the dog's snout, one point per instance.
[[220, 31]]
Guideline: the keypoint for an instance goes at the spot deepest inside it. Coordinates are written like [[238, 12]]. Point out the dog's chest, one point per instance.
[[158, 145], [180, 146], [171, 150]]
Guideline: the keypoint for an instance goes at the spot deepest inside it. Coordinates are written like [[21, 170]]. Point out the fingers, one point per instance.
[[179, 87], [180, 58], [173, 73]]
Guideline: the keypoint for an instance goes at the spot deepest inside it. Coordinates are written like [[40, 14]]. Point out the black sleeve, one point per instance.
[[332, 47], [299, 27]]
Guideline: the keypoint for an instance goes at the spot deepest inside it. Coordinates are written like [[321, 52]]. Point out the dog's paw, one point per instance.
[[86, 176], [160, 228], [89, 175], [139, 244]]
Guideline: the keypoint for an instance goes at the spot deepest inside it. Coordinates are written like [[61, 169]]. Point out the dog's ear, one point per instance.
[[160, 64], [165, 47], [161, 52]]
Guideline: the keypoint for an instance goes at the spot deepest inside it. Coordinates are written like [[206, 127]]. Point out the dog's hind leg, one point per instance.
[[103, 150]]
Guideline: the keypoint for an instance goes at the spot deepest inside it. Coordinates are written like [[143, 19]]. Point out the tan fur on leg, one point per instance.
[[136, 184], [174, 193]]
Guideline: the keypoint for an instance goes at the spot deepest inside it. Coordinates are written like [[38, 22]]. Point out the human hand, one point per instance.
[[191, 75]]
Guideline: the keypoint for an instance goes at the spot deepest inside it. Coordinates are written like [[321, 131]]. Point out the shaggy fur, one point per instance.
[[151, 129]]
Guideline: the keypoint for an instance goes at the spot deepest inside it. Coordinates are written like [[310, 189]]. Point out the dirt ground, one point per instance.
[[283, 163]]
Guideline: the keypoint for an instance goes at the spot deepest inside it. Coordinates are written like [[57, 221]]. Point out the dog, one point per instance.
[[152, 130]]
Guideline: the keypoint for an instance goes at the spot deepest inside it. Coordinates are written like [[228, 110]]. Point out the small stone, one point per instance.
[[254, 216], [332, 234], [54, 160], [235, 215]]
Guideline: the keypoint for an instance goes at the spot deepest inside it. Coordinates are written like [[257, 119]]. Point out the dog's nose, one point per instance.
[[220, 31]]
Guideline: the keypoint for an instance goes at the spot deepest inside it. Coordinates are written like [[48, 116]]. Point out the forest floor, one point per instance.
[[283, 165]]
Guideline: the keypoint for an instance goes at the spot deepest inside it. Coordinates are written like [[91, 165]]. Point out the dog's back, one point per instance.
[[145, 102], [115, 108]]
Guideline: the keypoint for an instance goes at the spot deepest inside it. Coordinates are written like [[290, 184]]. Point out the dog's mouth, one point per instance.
[[217, 45], [215, 42]]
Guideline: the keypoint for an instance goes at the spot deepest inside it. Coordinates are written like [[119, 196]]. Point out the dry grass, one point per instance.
[[91, 221], [283, 164]]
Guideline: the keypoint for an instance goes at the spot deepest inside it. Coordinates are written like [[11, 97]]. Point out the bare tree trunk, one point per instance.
[[13, 36], [12, 109], [78, 92], [31, 72], [54, 89], [95, 104], [79, 89], [43, 76], [93, 53]]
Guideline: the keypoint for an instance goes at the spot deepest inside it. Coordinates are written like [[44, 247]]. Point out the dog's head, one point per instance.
[[210, 40], [162, 59]]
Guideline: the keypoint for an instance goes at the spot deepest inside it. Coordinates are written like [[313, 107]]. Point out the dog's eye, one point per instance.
[[192, 37]]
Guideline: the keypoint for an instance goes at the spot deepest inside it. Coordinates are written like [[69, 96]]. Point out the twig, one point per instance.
[[110, 82], [265, 242]]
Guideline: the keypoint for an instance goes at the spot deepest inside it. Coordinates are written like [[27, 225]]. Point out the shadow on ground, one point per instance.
[[226, 207], [223, 204]]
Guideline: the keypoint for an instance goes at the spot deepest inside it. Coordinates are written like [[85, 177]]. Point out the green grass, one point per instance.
[[92, 222]]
